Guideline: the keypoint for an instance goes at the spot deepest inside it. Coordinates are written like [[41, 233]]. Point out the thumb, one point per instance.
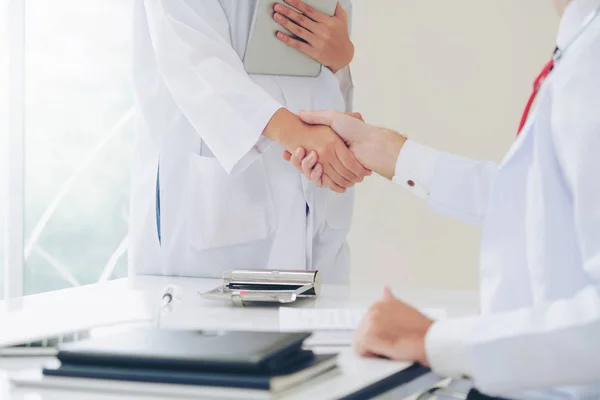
[[357, 115], [387, 294], [340, 13], [317, 117]]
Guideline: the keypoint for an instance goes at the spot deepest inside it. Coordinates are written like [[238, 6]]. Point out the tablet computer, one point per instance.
[[267, 55]]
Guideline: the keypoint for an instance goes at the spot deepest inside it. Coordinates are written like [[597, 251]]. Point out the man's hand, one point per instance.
[[393, 329], [375, 148], [326, 39], [340, 168]]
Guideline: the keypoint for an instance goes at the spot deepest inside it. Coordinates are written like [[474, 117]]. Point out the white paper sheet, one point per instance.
[[332, 319]]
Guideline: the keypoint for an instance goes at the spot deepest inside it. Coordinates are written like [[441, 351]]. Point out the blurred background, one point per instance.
[[453, 74]]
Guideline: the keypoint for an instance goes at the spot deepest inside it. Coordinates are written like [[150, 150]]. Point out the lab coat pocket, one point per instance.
[[228, 210], [338, 214]]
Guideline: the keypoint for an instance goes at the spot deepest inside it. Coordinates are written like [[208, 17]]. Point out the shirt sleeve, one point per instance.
[[552, 345], [207, 79], [454, 186]]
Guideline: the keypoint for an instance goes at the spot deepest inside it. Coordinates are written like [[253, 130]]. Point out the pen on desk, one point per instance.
[[168, 296]]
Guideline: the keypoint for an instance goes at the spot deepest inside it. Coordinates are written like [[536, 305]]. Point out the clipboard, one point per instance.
[[267, 55]]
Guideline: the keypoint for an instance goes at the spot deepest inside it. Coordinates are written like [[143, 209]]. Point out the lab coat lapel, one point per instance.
[[529, 126], [518, 144]]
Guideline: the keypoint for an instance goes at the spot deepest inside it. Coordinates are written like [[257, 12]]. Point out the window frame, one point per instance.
[[15, 160]]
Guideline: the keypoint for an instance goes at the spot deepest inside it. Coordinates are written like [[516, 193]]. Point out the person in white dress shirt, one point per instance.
[[538, 335]]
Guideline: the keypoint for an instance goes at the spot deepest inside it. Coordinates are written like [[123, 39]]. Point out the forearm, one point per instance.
[[285, 128]]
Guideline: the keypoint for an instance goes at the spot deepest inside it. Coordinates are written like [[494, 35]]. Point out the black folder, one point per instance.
[[167, 349], [267, 361], [273, 382]]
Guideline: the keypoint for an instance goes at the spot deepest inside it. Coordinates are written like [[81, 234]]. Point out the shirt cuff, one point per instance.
[[415, 168], [252, 147], [446, 349]]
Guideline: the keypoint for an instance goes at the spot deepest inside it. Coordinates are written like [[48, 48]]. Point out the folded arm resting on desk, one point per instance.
[[546, 346]]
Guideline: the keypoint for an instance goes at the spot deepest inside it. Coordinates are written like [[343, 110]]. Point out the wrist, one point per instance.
[[389, 145], [335, 68], [283, 128]]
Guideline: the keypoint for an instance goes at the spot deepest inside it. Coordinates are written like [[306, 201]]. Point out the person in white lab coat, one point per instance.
[[210, 191], [538, 335]]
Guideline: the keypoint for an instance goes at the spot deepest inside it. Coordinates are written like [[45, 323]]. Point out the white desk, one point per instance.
[[192, 312]]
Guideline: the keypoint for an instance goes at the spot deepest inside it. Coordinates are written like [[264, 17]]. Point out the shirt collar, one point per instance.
[[573, 19]]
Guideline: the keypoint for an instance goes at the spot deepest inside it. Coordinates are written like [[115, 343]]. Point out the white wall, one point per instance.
[[452, 74]]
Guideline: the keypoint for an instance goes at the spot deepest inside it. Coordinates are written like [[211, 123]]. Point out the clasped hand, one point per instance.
[[376, 149], [340, 169], [336, 162]]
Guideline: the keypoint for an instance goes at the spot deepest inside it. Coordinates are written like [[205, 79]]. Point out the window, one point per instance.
[[78, 134]]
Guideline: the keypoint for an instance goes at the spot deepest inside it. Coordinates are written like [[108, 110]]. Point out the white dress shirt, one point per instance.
[[539, 210]]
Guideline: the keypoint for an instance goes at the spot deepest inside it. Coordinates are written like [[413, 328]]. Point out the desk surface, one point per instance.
[[190, 311]]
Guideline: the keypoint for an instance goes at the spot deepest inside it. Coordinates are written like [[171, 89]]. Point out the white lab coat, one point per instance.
[[539, 211], [228, 200]]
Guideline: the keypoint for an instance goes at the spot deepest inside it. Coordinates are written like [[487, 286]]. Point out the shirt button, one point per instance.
[[411, 183]]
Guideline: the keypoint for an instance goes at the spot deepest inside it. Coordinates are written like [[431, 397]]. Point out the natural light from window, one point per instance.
[[78, 125]]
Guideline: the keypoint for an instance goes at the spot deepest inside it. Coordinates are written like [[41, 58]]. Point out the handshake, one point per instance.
[[338, 150]]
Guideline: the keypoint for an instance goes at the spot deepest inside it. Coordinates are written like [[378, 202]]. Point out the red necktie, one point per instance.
[[536, 89]]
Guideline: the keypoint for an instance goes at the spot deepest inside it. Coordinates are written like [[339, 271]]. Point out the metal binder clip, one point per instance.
[[246, 286]]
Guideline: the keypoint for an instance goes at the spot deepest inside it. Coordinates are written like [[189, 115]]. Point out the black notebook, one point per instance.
[[286, 378], [266, 361], [250, 352]]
